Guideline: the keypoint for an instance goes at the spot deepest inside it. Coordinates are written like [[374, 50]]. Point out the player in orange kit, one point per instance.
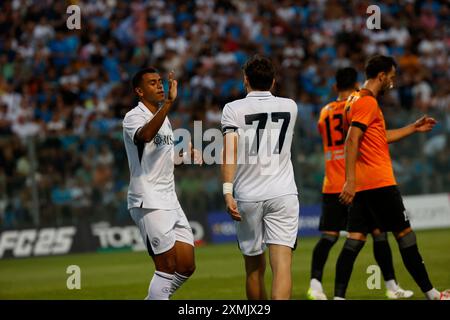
[[370, 187], [332, 128]]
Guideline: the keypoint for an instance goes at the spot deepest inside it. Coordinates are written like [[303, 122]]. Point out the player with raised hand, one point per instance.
[[258, 179], [370, 187], [152, 200], [333, 129]]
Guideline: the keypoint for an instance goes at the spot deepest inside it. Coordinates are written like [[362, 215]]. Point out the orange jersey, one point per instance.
[[332, 130], [373, 165]]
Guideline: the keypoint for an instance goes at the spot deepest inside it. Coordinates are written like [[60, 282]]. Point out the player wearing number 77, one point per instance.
[[259, 187]]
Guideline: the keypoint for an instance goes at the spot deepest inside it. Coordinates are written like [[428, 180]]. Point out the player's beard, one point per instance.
[[386, 87]]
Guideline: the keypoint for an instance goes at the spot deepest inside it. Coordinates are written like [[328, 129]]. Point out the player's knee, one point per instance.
[[255, 265], [166, 269], [380, 237], [407, 240], [376, 232], [186, 269], [165, 263], [191, 269], [402, 233], [357, 236], [354, 245]]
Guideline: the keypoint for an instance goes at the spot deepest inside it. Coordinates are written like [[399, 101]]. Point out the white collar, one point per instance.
[[259, 94]]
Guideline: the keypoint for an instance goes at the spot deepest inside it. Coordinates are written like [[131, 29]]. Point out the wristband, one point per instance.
[[227, 188]]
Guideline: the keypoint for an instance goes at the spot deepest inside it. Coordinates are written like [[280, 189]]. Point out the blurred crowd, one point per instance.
[[63, 93]]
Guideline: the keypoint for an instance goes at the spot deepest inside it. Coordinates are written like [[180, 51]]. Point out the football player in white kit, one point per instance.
[[259, 187], [152, 200]]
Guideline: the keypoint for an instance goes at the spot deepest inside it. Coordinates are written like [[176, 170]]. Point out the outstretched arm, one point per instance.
[[151, 128], [424, 124]]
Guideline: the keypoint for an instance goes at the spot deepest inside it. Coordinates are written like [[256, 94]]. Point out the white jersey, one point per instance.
[[152, 184], [264, 167]]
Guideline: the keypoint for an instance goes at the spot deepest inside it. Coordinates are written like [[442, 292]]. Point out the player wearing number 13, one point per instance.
[[257, 166]]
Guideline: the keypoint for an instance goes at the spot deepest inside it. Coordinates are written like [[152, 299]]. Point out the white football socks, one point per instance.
[[316, 285], [391, 285], [433, 294], [177, 281], [160, 286]]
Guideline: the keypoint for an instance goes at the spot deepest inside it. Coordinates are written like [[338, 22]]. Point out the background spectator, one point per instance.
[[63, 93]]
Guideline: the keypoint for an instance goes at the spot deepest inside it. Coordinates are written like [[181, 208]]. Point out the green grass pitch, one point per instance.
[[219, 274]]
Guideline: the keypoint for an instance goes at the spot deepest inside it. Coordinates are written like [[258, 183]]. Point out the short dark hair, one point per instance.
[[377, 64], [260, 72], [137, 78], [346, 78]]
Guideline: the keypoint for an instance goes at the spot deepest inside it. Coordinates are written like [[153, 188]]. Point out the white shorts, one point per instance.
[[161, 228], [273, 221]]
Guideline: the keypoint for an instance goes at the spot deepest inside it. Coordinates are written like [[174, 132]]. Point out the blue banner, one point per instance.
[[223, 229], [309, 220]]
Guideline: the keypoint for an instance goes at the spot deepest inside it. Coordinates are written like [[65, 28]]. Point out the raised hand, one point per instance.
[[172, 87]]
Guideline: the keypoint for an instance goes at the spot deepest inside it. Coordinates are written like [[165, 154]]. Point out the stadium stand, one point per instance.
[[63, 93]]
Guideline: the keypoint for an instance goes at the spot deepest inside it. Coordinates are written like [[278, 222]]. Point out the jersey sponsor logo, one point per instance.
[[34, 242], [161, 140], [331, 155]]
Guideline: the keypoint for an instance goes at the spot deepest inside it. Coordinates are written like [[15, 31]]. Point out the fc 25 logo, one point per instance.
[[33, 242]]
